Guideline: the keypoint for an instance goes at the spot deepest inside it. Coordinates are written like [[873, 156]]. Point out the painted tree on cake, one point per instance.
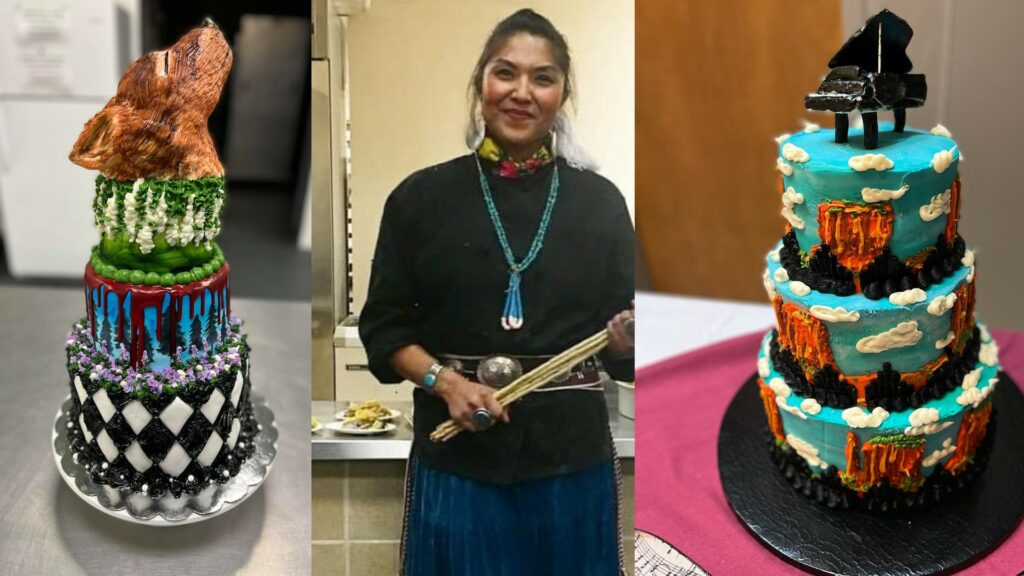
[[196, 333], [164, 341], [147, 342], [210, 331], [105, 333]]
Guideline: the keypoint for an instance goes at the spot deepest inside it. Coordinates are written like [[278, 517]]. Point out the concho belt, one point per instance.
[[500, 370]]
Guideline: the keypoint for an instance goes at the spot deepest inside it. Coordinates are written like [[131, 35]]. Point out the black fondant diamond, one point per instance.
[[156, 440], [93, 419], [120, 432], [194, 434], [156, 404], [223, 424]]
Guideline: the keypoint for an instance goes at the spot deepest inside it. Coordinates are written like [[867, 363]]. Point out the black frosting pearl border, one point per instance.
[[887, 390], [884, 276], [827, 489]]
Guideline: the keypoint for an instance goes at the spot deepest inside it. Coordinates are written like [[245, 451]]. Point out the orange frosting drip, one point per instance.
[[771, 410], [856, 233], [972, 432]]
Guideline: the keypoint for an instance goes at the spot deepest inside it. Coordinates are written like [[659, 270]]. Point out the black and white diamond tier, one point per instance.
[[169, 442], [167, 509]]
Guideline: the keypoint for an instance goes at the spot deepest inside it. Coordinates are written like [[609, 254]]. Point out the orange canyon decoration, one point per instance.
[[856, 233], [961, 320], [771, 410], [895, 459], [954, 211], [972, 432], [804, 335]]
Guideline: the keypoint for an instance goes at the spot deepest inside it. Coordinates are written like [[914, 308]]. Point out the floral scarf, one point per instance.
[[509, 167]]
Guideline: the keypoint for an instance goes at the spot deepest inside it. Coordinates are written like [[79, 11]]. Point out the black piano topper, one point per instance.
[[870, 73]]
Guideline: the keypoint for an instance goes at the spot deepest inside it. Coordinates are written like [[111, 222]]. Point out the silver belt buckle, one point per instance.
[[498, 371]]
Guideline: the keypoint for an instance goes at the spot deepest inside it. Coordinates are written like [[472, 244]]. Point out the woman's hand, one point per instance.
[[464, 397], [620, 333]]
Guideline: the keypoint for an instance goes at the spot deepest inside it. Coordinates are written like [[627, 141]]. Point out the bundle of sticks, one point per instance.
[[533, 379]]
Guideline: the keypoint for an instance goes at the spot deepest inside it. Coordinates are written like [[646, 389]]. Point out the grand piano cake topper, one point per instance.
[[870, 73]]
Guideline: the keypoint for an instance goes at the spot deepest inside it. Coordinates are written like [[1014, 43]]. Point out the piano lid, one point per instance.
[[862, 49]]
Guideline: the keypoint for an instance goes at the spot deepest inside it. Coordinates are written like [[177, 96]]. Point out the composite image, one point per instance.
[[427, 228]]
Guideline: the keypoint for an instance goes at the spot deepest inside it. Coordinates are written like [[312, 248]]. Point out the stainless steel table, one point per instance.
[[395, 445], [47, 529]]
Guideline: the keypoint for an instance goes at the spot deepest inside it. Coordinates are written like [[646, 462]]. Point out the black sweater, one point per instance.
[[439, 278]]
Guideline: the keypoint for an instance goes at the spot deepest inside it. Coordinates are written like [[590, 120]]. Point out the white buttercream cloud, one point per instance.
[[937, 206], [791, 198], [866, 162], [799, 288], [942, 159], [970, 275], [857, 417], [791, 409], [925, 421], [941, 130], [838, 314], [943, 342], [810, 127], [811, 406], [781, 166], [769, 286], [939, 304], [883, 195], [780, 388], [989, 354], [968, 259], [902, 335], [972, 395], [806, 451], [781, 275], [907, 297], [762, 367], [775, 254], [794, 153], [932, 459], [985, 336], [782, 138]]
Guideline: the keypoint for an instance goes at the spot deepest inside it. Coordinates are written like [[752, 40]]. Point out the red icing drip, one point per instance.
[[143, 297]]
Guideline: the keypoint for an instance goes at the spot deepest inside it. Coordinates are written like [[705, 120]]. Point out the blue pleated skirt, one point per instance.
[[556, 526]]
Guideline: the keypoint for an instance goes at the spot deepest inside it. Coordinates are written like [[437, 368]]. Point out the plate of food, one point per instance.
[[315, 425], [366, 410], [360, 428]]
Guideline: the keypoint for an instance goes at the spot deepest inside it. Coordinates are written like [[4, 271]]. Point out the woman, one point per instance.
[[515, 249]]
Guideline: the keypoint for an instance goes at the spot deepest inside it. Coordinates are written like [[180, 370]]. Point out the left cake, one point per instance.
[[158, 368]]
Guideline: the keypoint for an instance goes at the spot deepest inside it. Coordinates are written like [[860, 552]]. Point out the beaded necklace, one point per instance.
[[512, 317]]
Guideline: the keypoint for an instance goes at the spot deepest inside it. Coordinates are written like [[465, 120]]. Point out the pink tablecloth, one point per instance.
[[680, 403]]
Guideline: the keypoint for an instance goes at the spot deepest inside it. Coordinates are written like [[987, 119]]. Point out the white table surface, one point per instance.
[[670, 324]]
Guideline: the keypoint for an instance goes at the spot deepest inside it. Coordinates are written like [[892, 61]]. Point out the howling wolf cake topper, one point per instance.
[[870, 73], [155, 126]]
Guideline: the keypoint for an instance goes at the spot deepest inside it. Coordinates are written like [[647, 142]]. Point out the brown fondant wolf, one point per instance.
[[155, 127]]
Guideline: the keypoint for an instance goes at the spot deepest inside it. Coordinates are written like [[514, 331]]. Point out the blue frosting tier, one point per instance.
[[819, 170], [822, 433], [861, 319]]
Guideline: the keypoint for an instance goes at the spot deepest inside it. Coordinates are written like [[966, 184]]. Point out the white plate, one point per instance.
[[353, 431], [340, 415]]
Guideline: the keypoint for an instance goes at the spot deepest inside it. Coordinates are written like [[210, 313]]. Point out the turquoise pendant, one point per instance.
[[512, 318]]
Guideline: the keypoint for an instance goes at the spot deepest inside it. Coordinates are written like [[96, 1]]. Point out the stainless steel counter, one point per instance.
[[47, 529], [395, 445]]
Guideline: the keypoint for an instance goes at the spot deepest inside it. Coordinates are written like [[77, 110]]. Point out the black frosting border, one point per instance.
[[827, 489]]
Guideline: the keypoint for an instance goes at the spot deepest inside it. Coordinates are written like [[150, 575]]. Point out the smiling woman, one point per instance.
[[485, 267]]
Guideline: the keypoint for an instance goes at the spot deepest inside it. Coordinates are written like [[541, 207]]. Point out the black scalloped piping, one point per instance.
[[885, 275], [827, 489], [887, 390]]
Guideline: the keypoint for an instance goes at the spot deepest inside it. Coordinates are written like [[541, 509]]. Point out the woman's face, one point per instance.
[[523, 90]]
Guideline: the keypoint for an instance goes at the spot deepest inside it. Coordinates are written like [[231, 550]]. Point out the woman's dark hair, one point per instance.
[[529, 22]]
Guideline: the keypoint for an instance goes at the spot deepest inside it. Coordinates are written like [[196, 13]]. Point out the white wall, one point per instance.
[[409, 66], [970, 52]]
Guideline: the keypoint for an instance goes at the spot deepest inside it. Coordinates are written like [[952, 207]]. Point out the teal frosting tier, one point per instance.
[[923, 167], [875, 317], [825, 429]]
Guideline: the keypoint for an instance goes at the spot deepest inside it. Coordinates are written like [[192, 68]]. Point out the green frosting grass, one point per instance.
[[168, 277]]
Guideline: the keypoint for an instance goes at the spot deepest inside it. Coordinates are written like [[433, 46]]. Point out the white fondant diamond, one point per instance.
[[84, 428], [106, 445], [211, 450], [212, 407], [175, 415], [176, 461], [236, 392], [236, 427], [137, 457], [136, 415], [103, 403], [82, 395]]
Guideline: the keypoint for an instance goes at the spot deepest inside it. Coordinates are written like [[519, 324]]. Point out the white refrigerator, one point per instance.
[[60, 61]]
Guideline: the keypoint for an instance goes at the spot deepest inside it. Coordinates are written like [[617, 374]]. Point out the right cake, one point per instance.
[[877, 382]]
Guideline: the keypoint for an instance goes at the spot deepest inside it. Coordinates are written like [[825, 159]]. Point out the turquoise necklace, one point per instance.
[[512, 317]]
